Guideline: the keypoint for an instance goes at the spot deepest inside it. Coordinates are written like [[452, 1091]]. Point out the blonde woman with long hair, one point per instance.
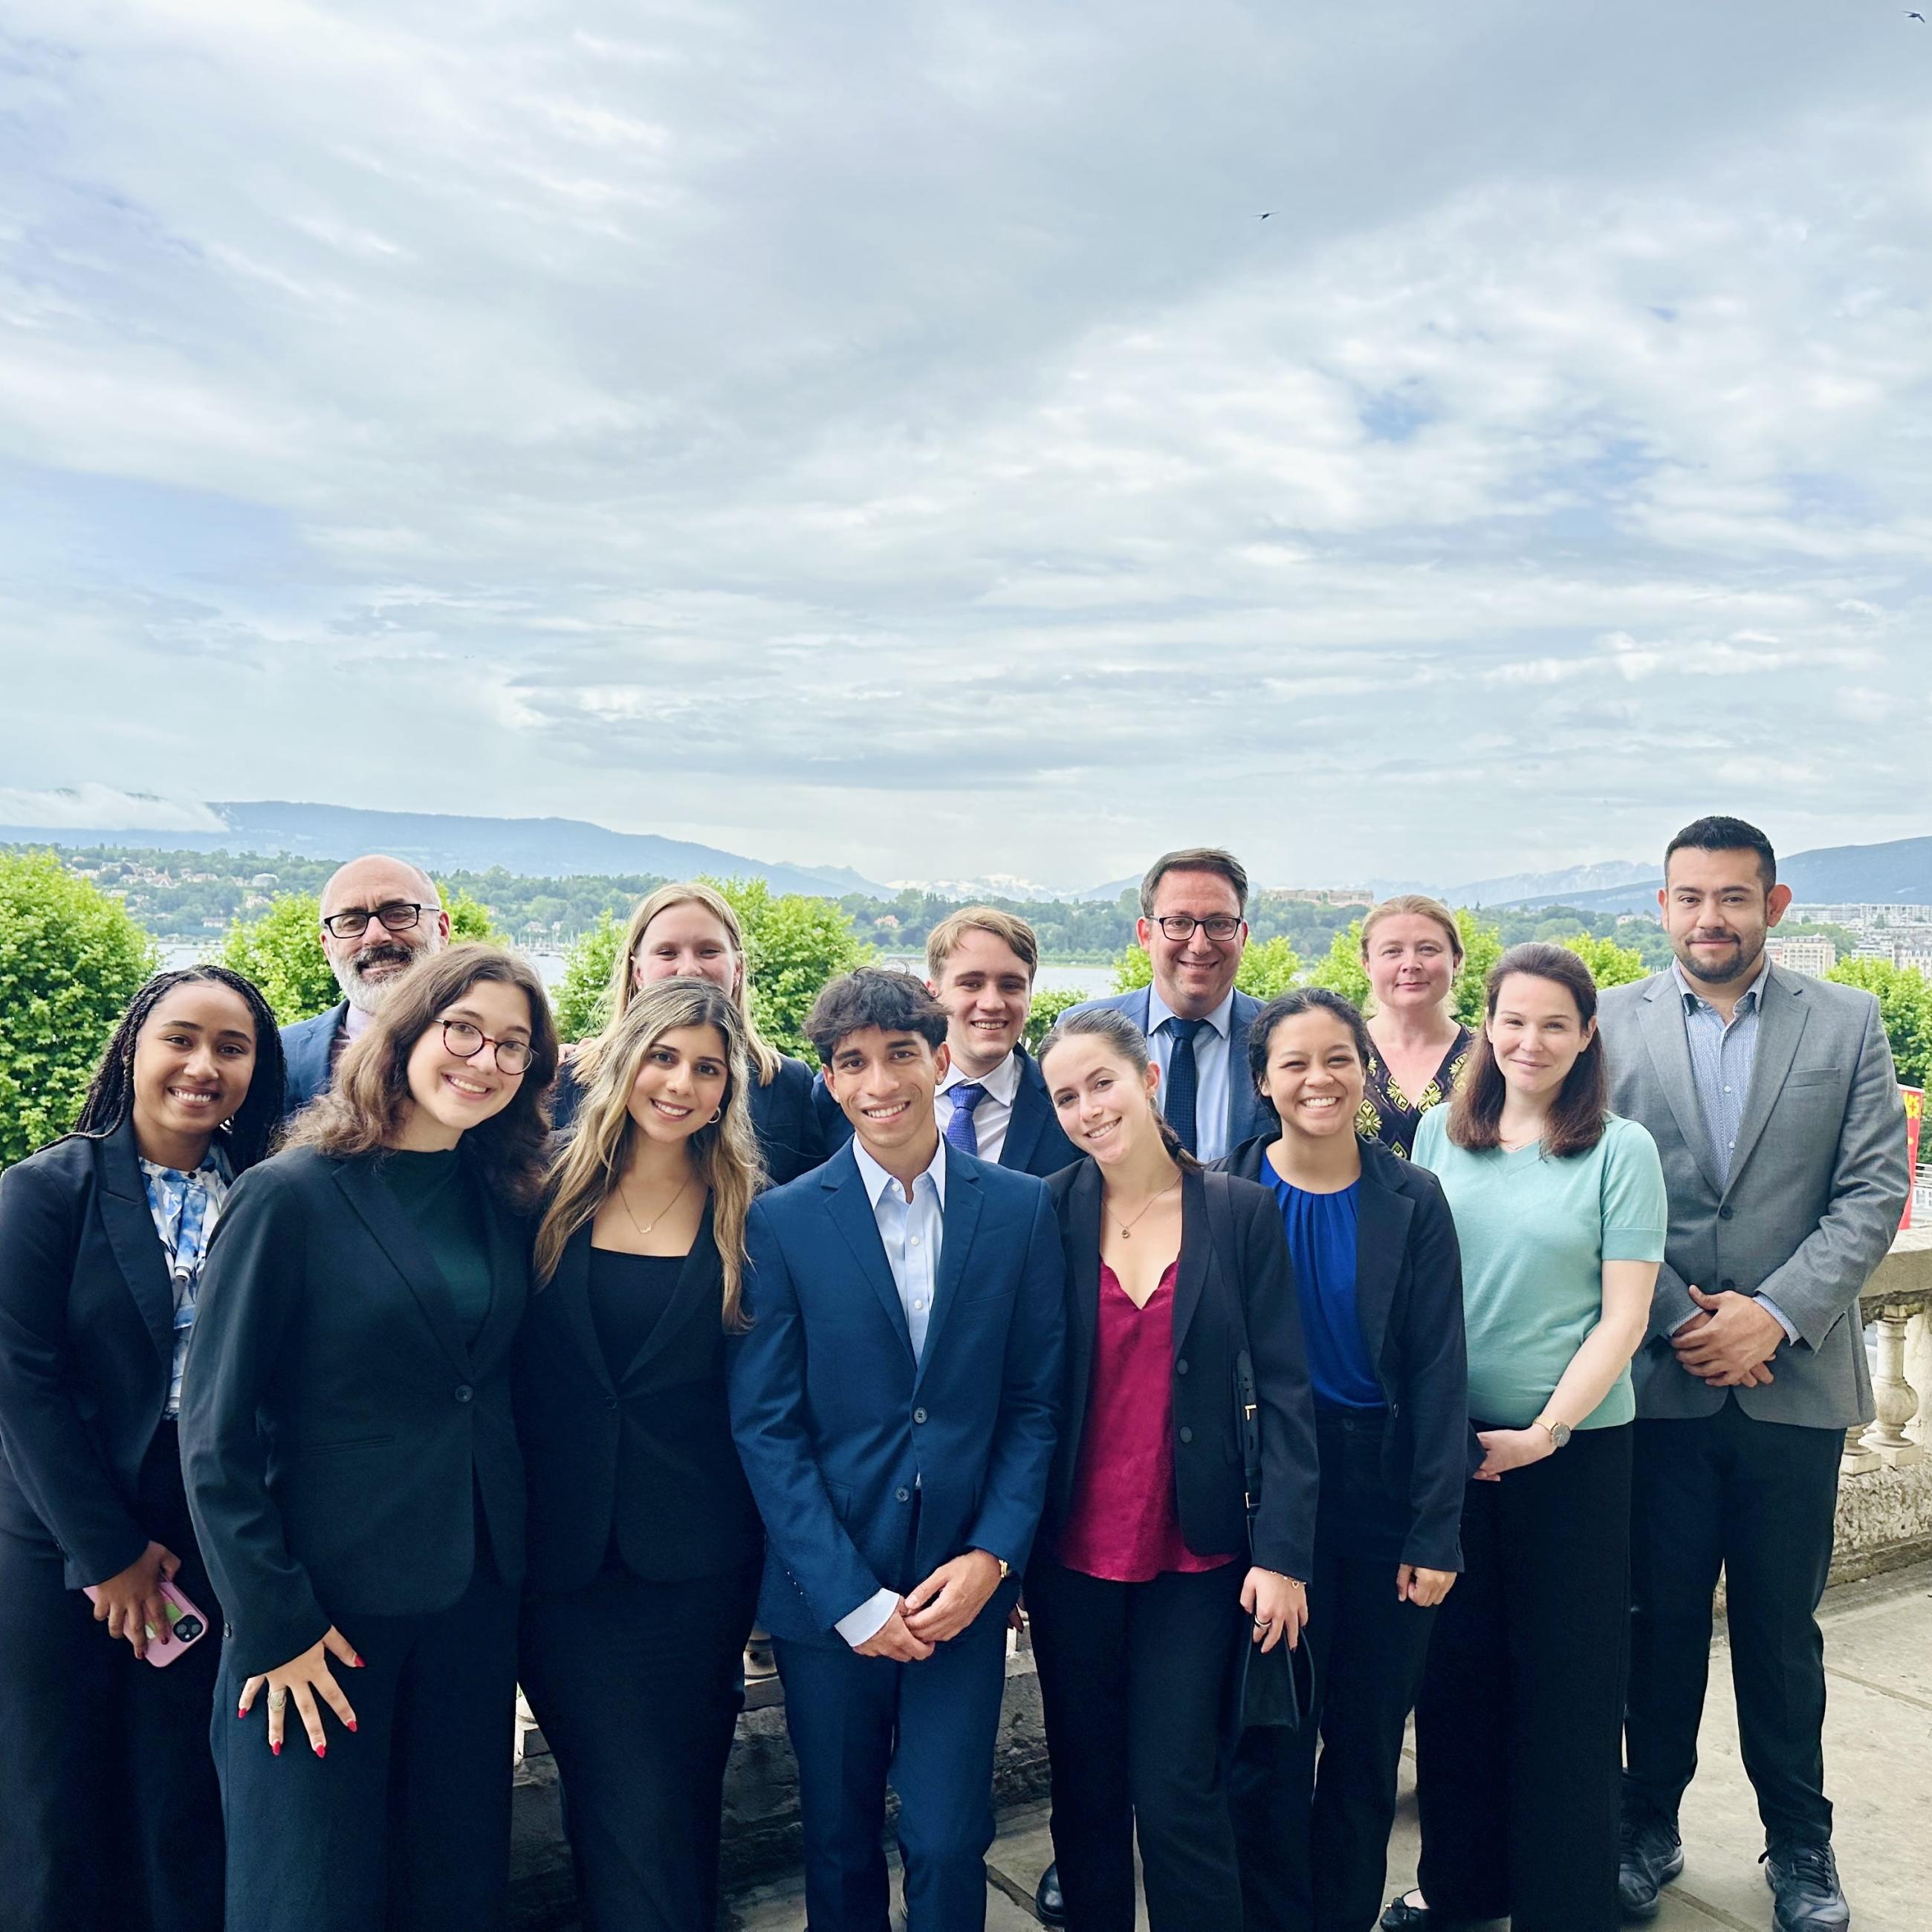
[[689, 931], [645, 1546]]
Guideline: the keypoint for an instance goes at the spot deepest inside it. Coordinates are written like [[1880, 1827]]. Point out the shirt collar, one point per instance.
[[1003, 1083], [1754, 992], [1160, 1013], [214, 1166], [877, 1180], [355, 1022]]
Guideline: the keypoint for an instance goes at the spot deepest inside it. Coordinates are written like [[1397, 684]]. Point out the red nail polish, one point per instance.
[[277, 1749], [241, 1710], [352, 1724], [358, 1663], [322, 1751]]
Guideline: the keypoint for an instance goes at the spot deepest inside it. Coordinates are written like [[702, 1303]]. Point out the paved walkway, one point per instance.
[[1879, 1758]]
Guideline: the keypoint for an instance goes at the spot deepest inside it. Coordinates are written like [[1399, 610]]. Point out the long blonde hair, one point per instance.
[[724, 1153], [764, 1058]]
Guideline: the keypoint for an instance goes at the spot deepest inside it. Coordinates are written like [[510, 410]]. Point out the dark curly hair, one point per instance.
[[873, 996], [361, 1111], [248, 1133]]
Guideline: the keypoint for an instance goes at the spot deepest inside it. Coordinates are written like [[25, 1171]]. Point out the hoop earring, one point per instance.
[[715, 1118]]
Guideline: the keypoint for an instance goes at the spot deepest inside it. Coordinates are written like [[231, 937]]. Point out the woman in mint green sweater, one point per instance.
[[1560, 1210]]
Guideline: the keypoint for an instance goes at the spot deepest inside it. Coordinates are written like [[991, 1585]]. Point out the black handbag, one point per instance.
[[1273, 1687]]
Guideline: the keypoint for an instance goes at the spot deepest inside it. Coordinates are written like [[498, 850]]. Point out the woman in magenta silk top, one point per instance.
[[1142, 1587]]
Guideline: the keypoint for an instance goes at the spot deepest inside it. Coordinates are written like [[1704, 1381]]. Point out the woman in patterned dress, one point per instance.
[[1412, 952]]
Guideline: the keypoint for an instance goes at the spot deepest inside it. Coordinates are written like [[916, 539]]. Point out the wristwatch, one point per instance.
[[1559, 1432]]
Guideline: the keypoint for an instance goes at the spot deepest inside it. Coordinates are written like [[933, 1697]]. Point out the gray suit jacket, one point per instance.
[[1248, 1113], [1818, 1181]]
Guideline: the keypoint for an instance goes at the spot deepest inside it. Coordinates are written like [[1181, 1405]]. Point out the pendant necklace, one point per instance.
[[644, 1233], [1127, 1227]]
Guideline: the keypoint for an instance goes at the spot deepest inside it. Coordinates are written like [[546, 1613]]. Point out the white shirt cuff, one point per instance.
[[862, 1625], [1784, 1320]]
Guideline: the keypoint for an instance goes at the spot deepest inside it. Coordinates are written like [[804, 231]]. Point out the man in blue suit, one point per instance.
[[379, 915], [991, 1100], [894, 1397], [1193, 927]]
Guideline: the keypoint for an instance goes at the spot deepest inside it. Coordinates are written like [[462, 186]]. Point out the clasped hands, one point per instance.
[[1728, 1343], [942, 1607]]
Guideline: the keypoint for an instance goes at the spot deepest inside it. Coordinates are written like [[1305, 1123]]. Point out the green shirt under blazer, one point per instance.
[[1535, 1232]]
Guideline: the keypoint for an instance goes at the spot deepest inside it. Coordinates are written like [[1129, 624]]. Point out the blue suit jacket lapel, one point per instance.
[[1243, 1103], [1032, 1110], [964, 1199], [852, 1215]]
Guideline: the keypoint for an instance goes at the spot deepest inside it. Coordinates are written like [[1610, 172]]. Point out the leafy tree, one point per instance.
[[1133, 968], [281, 952], [581, 997], [71, 959], [469, 918], [1904, 1005], [1482, 947], [793, 945], [1342, 971], [1610, 964], [1048, 1007]]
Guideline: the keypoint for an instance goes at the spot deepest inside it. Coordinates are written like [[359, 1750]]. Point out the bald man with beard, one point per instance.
[[378, 916]]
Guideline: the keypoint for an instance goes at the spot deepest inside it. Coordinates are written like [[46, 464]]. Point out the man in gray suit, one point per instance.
[[1772, 1099]]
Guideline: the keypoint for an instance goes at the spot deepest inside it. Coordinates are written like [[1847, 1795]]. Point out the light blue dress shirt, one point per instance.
[[912, 1233], [1210, 1068], [1724, 1054]]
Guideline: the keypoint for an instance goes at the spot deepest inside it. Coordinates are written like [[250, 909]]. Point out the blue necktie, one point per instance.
[[960, 1129], [1183, 1080]]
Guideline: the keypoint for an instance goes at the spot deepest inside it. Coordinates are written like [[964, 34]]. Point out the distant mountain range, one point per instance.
[[537, 848]]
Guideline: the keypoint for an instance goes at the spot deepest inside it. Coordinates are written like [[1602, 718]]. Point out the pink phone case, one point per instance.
[[186, 1626]]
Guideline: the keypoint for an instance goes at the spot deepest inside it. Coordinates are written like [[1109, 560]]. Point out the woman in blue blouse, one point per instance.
[[1561, 1210], [1379, 1282]]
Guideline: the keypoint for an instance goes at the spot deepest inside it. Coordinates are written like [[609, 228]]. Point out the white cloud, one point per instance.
[[103, 807], [894, 437]]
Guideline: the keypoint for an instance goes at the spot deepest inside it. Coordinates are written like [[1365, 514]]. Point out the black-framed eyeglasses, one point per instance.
[[1180, 925], [397, 915], [466, 1041]]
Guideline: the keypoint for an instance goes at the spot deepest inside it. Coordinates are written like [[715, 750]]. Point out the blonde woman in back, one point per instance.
[[644, 1545], [686, 931], [1412, 951]]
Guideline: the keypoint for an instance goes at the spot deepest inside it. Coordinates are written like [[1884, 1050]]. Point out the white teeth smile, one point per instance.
[[891, 1113], [671, 1112], [473, 1089], [190, 1097]]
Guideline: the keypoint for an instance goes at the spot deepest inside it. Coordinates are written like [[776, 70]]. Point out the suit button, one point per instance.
[[1180, 1366], [919, 1415], [1724, 1214], [1187, 1435], [610, 1401], [227, 1630], [464, 1393], [904, 1495]]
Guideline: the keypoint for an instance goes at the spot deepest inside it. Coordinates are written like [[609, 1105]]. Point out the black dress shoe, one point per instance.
[[1046, 1899], [1649, 1856], [1803, 1881]]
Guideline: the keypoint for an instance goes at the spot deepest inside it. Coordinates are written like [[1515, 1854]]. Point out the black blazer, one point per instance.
[[1408, 1298], [86, 1346], [337, 1430], [783, 1118], [1034, 1143], [1221, 1303], [646, 1456]]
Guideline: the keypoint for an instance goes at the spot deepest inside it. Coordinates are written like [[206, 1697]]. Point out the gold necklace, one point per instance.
[[625, 1199], [1127, 1227]]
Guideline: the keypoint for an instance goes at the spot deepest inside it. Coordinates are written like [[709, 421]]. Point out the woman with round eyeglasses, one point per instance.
[[688, 930], [350, 1453], [1412, 951]]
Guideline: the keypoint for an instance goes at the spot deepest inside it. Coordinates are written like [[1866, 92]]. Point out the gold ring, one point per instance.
[[277, 1700]]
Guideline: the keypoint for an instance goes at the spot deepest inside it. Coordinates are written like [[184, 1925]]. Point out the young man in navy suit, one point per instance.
[[991, 1100], [379, 915], [894, 1398]]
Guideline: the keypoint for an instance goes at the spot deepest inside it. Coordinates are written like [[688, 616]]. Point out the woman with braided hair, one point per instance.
[[118, 1818]]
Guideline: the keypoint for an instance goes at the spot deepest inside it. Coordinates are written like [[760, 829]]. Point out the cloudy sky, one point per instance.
[[887, 434]]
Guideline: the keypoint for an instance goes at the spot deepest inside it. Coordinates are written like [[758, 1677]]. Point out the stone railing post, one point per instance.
[[1918, 1373], [1893, 1395]]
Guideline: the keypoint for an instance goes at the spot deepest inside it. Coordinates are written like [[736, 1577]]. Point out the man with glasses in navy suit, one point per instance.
[[378, 916]]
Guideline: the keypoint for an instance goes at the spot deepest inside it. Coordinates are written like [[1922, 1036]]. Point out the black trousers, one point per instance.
[[111, 1814], [1313, 1840], [1517, 1726], [637, 1686], [406, 1824], [1132, 1679], [1757, 1499]]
